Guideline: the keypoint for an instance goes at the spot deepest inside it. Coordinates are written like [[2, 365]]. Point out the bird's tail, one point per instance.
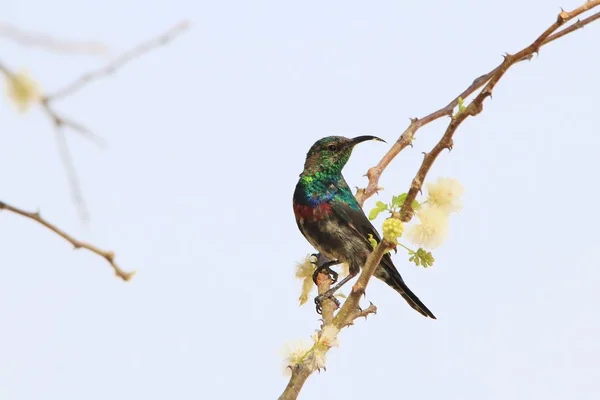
[[388, 273]]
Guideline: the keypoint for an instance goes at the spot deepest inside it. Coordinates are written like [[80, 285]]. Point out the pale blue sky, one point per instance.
[[207, 138]]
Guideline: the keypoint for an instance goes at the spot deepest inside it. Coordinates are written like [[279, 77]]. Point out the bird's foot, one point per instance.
[[322, 297], [325, 270]]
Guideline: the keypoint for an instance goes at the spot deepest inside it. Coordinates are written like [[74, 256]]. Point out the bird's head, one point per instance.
[[330, 154]]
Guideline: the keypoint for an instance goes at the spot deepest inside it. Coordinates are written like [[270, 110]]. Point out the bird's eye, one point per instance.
[[332, 147]]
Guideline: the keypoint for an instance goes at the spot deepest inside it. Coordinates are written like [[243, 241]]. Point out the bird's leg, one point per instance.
[[330, 293]]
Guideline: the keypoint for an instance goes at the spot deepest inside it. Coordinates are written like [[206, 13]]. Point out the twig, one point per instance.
[[119, 62], [72, 177], [405, 140], [577, 25], [60, 122], [77, 244], [48, 43], [372, 309]]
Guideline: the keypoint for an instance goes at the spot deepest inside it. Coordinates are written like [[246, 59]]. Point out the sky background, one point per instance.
[[206, 140]]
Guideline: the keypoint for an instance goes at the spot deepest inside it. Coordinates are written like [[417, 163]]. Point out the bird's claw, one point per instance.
[[325, 270], [320, 298], [332, 275]]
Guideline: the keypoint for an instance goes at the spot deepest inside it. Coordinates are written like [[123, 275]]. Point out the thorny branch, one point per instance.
[[77, 244], [405, 140], [350, 309], [301, 372], [61, 122], [476, 106], [345, 316]]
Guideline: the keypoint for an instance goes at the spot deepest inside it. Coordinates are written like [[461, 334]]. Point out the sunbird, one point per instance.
[[330, 218]]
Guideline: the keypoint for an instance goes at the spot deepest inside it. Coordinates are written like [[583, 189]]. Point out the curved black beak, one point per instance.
[[360, 139]]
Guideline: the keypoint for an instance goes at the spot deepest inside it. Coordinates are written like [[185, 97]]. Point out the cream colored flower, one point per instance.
[[296, 352], [328, 336], [445, 193], [22, 90], [431, 231], [323, 341], [304, 271], [319, 358]]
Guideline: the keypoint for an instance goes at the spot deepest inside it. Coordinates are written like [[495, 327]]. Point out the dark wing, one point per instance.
[[355, 217]]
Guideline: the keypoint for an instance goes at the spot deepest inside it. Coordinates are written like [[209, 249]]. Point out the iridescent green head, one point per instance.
[[329, 155]]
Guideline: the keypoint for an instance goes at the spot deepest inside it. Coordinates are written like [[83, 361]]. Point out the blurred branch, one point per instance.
[[61, 122], [77, 244], [45, 42], [64, 153], [74, 185], [405, 140], [120, 61]]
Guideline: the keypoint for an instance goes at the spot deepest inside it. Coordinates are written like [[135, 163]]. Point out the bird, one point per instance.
[[333, 222]]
